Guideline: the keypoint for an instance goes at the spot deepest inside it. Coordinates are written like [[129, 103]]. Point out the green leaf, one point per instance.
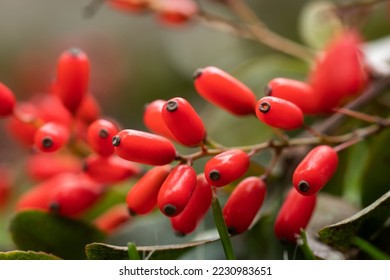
[[100, 251], [366, 224], [26, 255], [63, 237], [318, 23]]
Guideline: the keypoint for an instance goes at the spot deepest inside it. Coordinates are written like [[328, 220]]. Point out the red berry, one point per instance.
[[279, 113], [243, 204], [225, 91], [5, 185], [129, 5], [112, 219], [142, 197], [176, 190], [340, 73], [294, 215], [51, 109], [42, 166], [226, 167], [51, 137], [197, 207], [72, 78], [89, 109], [153, 120], [74, 194], [175, 12], [183, 121], [315, 170], [111, 169], [143, 147], [7, 101], [297, 92], [99, 136]]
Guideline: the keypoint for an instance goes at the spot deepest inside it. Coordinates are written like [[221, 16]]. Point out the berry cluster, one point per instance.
[[77, 154]]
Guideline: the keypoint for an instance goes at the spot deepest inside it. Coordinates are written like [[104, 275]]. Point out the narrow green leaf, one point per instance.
[[302, 242], [27, 255], [100, 251], [222, 229], [366, 224], [132, 251], [370, 249], [63, 237]]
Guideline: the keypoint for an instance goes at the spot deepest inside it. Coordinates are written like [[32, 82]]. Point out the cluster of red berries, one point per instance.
[[78, 154], [171, 12]]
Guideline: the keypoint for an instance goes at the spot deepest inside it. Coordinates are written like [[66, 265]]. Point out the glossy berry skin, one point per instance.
[[279, 113], [51, 137], [7, 101], [74, 194], [110, 170], [226, 167], [183, 121], [243, 204], [176, 190], [297, 92], [142, 197], [73, 71], [224, 91], [153, 120], [315, 170], [197, 207], [340, 73], [99, 136], [294, 215], [112, 219], [143, 147], [176, 12]]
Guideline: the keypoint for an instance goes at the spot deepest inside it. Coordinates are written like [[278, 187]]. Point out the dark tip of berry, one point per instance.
[[116, 140], [132, 212], [303, 186], [172, 106], [84, 166], [103, 133], [264, 107], [232, 230], [179, 234], [54, 207], [214, 175], [169, 209], [47, 142], [268, 90], [197, 73]]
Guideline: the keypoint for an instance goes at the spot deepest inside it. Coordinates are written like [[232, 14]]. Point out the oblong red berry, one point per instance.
[[73, 71], [51, 137], [153, 120], [315, 170], [334, 82], [112, 219], [5, 185], [111, 169], [89, 109], [297, 92], [99, 136], [129, 5], [197, 207], [74, 194], [224, 91], [176, 12], [183, 121], [176, 190], [142, 197], [279, 113], [7, 101], [143, 147], [294, 215], [243, 204], [226, 167]]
